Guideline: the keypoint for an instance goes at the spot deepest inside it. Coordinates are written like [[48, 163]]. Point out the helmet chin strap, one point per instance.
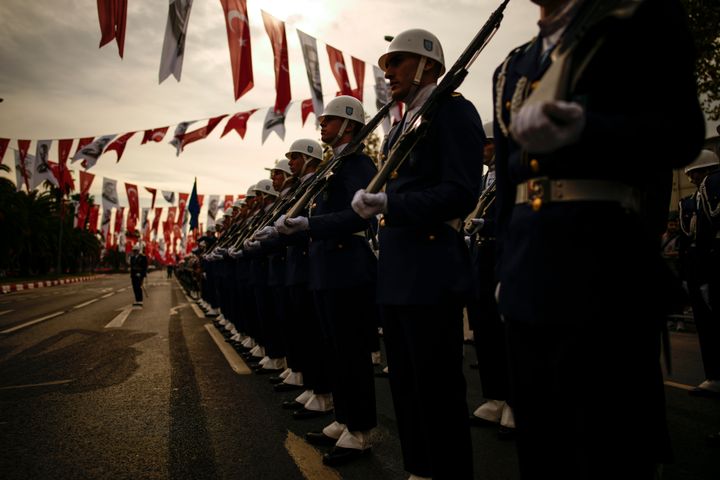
[[340, 133], [416, 81]]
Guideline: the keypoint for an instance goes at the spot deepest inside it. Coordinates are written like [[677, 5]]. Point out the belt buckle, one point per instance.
[[538, 192]]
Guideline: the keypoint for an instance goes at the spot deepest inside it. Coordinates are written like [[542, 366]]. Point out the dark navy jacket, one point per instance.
[[338, 257], [422, 259], [643, 120]]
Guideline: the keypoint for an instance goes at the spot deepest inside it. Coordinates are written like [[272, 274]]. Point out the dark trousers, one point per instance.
[[429, 395], [307, 345], [490, 348], [707, 323], [137, 281], [588, 402], [347, 317]]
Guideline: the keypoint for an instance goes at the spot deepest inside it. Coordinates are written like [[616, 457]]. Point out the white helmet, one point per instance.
[[211, 228], [265, 186], [345, 106], [238, 203], [282, 165], [306, 146], [416, 41], [227, 213], [250, 192], [704, 160]]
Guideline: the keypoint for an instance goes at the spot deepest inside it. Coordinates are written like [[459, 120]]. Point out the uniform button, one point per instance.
[[431, 237], [383, 157], [382, 222], [393, 175], [304, 253], [340, 246], [313, 206], [508, 104], [536, 204], [534, 165], [534, 84]]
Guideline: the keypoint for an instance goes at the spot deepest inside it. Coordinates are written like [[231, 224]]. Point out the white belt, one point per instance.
[[538, 191], [360, 234]]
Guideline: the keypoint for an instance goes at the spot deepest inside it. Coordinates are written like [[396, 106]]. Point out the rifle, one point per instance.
[[324, 173], [450, 82]]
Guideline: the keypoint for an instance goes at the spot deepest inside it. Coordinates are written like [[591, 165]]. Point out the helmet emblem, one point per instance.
[[428, 45], [310, 148], [349, 110]]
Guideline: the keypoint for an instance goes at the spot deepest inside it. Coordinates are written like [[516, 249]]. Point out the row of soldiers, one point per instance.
[[305, 292]]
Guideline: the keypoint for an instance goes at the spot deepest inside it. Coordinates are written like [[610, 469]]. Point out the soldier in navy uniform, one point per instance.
[[483, 318], [589, 401], [700, 260], [424, 274], [343, 272], [138, 272]]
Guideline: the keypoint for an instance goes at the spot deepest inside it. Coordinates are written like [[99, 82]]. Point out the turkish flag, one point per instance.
[[200, 133], [153, 192], [154, 134], [228, 203], [182, 201], [113, 17], [337, 64], [119, 214], [93, 218], [276, 31], [359, 72], [238, 33], [306, 108], [4, 142], [133, 206], [156, 221], [119, 145], [238, 122]]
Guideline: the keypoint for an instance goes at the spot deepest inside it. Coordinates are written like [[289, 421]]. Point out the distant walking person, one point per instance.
[[138, 272]]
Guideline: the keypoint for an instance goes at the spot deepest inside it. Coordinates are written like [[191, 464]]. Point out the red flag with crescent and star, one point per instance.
[[238, 122], [119, 145], [276, 31], [154, 135], [238, 33], [337, 65], [133, 206], [112, 15]]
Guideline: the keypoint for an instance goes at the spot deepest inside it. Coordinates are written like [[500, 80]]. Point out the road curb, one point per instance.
[[18, 287]]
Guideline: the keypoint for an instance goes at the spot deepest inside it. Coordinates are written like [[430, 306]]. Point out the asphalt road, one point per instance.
[[92, 388]]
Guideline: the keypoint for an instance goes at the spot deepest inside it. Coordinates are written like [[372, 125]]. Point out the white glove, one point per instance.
[[368, 205], [288, 226], [266, 233], [544, 127], [468, 239], [705, 294], [250, 244], [235, 253], [477, 225]]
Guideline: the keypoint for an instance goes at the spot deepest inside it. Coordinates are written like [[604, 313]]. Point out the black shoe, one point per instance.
[[292, 405], [480, 422], [319, 438], [304, 413], [286, 387], [340, 455], [505, 433], [275, 379]]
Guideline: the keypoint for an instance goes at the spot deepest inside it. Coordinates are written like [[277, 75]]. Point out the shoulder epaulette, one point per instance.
[[456, 94]]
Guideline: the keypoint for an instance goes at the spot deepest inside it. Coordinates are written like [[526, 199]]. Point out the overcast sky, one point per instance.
[[56, 83]]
